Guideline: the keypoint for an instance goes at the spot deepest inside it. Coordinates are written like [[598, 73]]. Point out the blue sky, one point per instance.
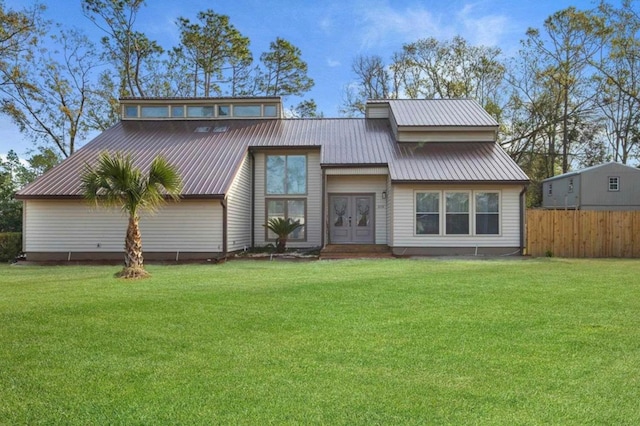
[[330, 33]]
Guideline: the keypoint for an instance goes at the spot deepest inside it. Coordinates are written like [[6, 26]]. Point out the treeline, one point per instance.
[[569, 98], [57, 85]]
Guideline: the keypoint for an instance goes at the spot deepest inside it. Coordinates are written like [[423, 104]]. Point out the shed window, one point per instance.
[[550, 189], [614, 183], [571, 185]]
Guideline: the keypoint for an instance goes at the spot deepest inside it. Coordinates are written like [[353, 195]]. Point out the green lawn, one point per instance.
[[547, 341]]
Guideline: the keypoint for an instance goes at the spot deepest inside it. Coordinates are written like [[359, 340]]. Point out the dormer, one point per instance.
[[435, 120], [201, 108]]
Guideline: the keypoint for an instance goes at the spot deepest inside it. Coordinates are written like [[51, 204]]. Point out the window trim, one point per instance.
[[416, 213], [617, 183], [476, 213], [286, 215], [472, 213], [286, 193]]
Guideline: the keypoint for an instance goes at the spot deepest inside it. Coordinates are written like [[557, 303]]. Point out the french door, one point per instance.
[[351, 218]]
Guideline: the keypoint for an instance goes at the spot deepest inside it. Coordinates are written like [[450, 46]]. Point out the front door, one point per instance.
[[351, 219]]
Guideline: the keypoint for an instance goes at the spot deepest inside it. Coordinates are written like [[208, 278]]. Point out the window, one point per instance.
[[550, 189], [428, 213], [614, 183], [457, 213], [571, 185], [131, 111], [223, 110], [246, 111], [200, 111], [459, 208], [270, 110], [154, 111], [487, 213], [177, 111], [294, 209], [286, 174]]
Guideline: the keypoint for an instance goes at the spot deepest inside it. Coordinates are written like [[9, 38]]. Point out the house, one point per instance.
[[423, 177], [608, 186]]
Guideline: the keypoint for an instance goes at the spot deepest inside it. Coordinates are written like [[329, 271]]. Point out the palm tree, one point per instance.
[[282, 228], [114, 181]]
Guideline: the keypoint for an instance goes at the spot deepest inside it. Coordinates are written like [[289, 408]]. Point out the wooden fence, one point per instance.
[[583, 233]]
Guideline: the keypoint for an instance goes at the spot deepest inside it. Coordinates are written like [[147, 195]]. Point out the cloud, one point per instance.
[[487, 30], [379, 24], [333, 63]]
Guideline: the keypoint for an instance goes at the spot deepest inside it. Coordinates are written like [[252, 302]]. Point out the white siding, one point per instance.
[[74, 226], [365, 184], [239, 209], [313, 197], [357, 171], [404, 219]]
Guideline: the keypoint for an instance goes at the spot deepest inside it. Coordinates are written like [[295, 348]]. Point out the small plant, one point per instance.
[[282, 228], [548, 253]]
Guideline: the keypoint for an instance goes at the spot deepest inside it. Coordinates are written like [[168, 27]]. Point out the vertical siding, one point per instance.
[[239, 209], [63, 226], [404, 219], [314, 199], [596, 194], [390, 213], [365, 184], [560, 197]]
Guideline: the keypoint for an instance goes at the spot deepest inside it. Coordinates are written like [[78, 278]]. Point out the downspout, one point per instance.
[[523, 210], [223, 203], [253, 199], [324, 212]]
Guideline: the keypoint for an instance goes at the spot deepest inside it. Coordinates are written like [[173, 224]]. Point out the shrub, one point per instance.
[[10, 245]]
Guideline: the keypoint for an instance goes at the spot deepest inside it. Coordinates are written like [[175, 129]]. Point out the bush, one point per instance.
[[10, 245]]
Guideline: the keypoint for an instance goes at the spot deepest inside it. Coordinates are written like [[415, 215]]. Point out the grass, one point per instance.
[[547, 341]]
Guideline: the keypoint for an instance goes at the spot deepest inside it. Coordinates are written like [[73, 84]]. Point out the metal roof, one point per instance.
[[208, 161], [440, 113], [609, 165], [454, 162]]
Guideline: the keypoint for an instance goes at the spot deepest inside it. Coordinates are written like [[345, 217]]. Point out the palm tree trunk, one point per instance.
[[133, 245]]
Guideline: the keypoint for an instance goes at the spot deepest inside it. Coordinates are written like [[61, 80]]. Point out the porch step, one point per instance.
[[355, 251]]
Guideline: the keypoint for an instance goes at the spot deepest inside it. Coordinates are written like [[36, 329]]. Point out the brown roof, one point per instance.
[[439, 113], [208, 161]]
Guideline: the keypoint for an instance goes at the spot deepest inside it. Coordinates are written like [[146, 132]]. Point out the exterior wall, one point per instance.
[[313, 197], [406, 242], [445, 136], [354, 184], [561, 196], [73, 227], [239, 209], [596, 194]]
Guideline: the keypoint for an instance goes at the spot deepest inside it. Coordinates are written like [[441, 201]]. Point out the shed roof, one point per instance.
[[609, 165], [439, 113]]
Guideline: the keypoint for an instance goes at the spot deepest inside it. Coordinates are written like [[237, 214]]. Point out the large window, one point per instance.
[[286, 174], [487, 213], [457, 213], [427, 213], [294, 209]]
